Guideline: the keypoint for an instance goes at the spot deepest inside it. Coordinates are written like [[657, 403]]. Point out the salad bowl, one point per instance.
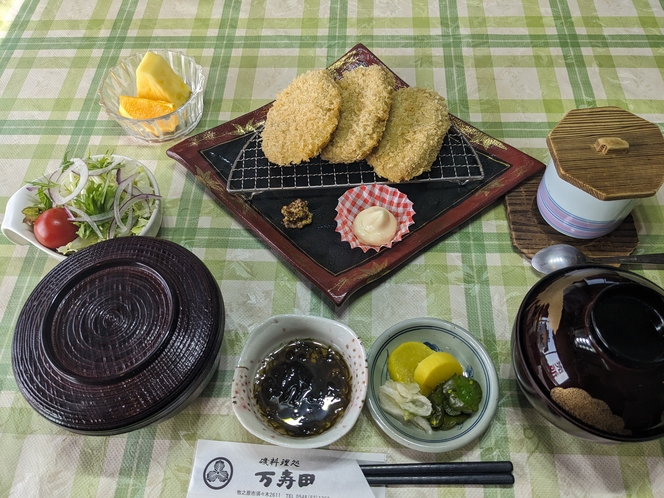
[[20, 233]]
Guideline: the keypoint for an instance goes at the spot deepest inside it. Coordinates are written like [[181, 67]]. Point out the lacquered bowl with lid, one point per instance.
[[588, 353], [123, 334]]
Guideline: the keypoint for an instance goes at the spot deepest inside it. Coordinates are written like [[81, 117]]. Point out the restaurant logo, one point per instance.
[[218, 473]]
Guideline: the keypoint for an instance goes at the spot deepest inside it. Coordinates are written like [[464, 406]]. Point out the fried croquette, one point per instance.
[[413, 136], [366, 97], [302, 119]]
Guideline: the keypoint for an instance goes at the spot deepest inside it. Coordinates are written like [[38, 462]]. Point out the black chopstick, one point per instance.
[[459, 473], [461, 479], [436, 468]]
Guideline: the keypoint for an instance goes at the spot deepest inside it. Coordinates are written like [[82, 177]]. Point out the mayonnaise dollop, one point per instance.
[[375, 226]]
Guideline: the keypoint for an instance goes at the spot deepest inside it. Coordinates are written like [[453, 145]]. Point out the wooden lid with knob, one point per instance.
[[608, 152]]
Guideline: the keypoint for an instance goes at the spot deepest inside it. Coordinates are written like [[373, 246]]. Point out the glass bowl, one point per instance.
[[121, 80]]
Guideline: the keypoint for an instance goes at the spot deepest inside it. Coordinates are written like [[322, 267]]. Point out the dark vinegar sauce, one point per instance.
[[303, 388]]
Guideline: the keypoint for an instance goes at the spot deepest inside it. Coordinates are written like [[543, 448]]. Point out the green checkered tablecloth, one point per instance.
[[511, 68]]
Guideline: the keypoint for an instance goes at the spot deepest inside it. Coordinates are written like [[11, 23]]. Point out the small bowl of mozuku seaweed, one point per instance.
[[300, 381]]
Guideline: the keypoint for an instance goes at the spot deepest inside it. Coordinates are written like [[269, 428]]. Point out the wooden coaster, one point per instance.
[[530, 233]]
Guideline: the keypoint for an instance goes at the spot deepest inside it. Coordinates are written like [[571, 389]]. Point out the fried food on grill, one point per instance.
[[302, 118], [366, 97], [413, 136]]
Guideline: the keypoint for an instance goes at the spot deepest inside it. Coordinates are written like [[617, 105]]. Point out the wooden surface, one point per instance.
[[530, 233], [637, 173]]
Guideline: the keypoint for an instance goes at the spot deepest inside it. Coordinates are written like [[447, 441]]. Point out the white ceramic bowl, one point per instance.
[[443, 336], [576, 213], [267, 338], [121, 80], [21, 234]]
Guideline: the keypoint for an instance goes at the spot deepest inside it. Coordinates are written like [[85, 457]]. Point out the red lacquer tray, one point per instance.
[[317, 251]]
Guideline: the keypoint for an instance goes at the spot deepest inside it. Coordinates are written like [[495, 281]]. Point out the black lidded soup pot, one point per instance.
[[588, 353]]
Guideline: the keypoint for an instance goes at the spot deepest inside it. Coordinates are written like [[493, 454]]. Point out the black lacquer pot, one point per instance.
[[588, 352]]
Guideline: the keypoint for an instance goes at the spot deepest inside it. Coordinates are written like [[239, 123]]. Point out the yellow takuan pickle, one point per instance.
[[436, 369], [401, 362], [156, 80]]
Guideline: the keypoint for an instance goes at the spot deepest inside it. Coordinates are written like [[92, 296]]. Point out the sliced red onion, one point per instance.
[[130, 216], [111, 230], [87, 219], [97, 217], [54, 189], [140, 197], [125, 206]]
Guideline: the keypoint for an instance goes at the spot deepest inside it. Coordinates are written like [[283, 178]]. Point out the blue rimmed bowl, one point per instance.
[[444, 336]]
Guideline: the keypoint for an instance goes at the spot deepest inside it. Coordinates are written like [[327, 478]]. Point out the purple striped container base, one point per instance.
[[568, 223]]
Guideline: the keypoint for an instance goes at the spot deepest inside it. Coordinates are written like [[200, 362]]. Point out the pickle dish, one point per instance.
[[439, 335], [302, 408]]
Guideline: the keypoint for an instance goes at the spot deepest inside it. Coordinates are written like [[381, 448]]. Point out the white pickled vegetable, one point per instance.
[[405, 401]]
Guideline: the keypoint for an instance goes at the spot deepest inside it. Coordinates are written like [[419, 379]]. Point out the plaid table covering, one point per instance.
[[511, 68]]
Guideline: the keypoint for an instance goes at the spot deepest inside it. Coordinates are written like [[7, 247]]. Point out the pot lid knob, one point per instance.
[[611, 145]]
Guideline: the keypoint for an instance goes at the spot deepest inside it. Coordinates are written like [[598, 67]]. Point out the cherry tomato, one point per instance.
[[53, 229]]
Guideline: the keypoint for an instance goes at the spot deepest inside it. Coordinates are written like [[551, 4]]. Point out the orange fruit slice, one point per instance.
[[140, 108]]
